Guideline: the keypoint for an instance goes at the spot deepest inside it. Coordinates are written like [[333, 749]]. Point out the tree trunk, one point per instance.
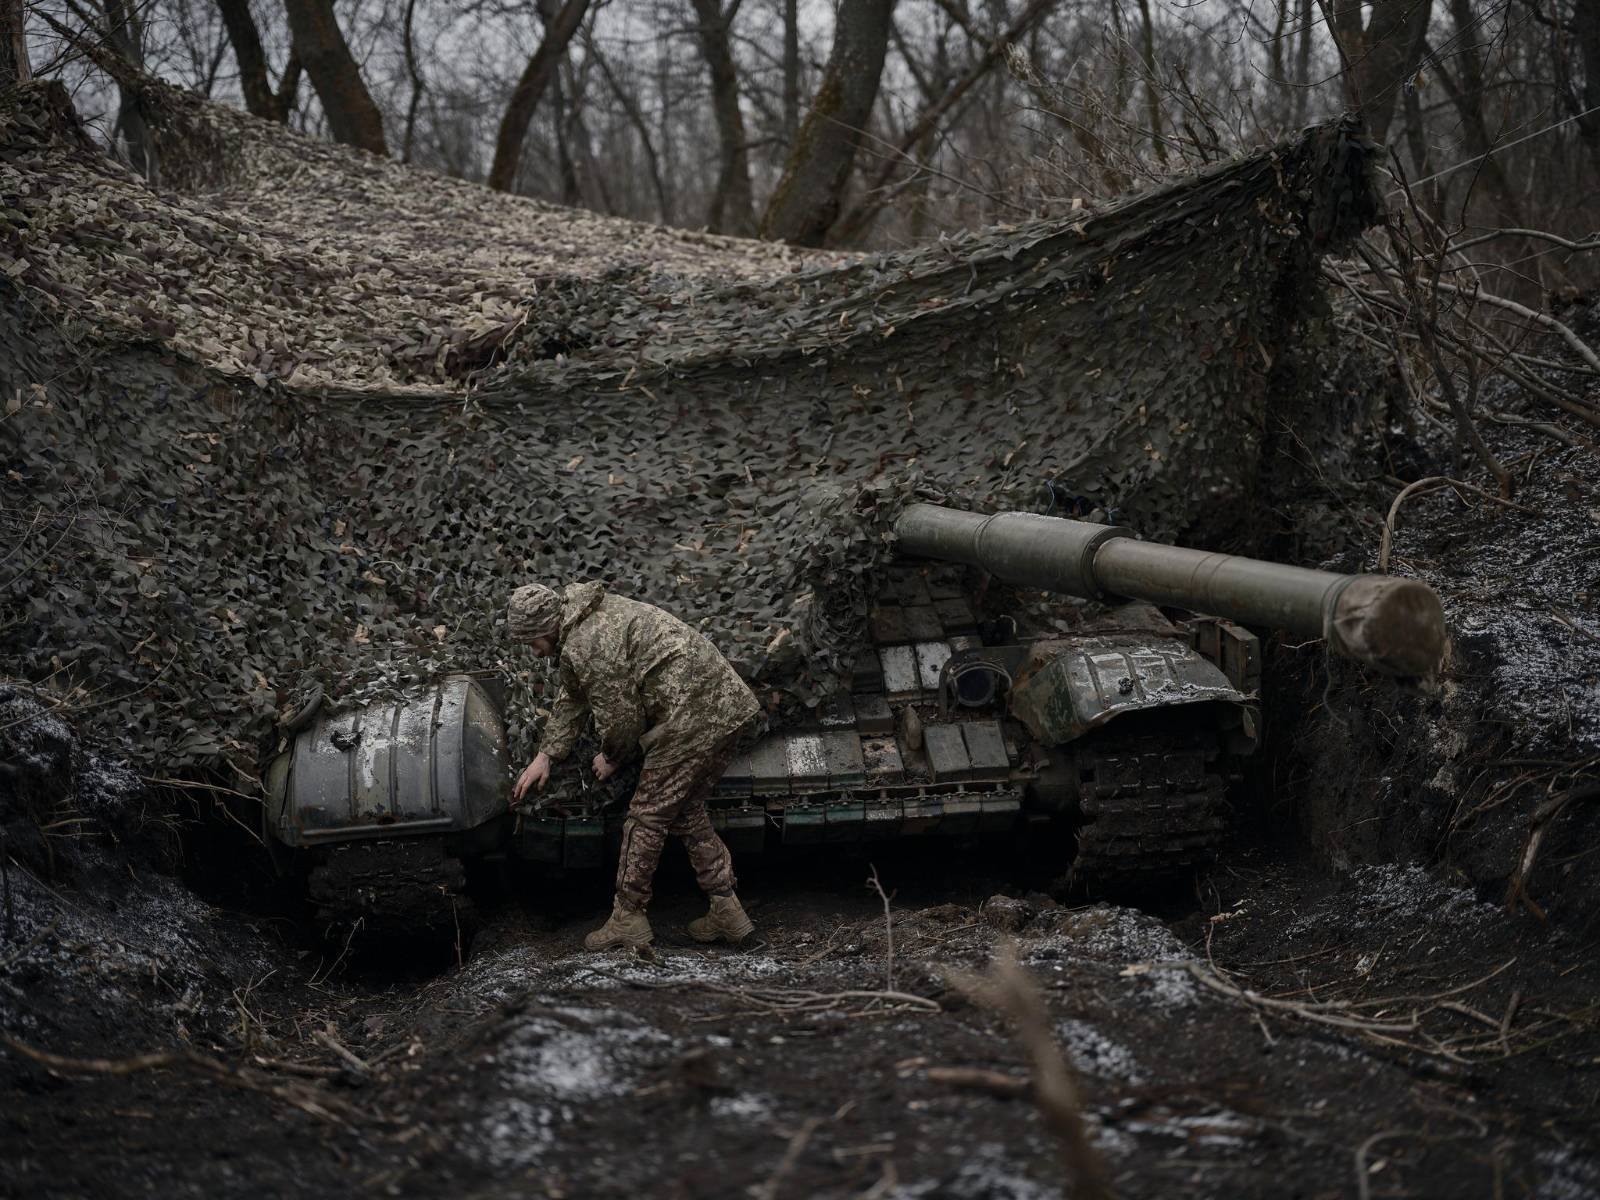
[[1586, 24], [791, 71], [1380, 56], [407, 143], [808, 197], [1467, 96], [1152, 98], [14, 66], [876, 193], [732, 208], [352, 116], [1302, 62], [560, 124], [525, 97], [125, 35], [636, 117], [254, 79]]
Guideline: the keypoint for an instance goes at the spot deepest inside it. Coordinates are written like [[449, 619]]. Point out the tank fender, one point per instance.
[[1067, 688]]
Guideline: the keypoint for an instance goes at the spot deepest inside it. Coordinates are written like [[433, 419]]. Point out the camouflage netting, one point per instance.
[[310, 421]]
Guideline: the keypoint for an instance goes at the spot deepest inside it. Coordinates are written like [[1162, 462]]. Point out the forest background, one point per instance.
[[883, 123]]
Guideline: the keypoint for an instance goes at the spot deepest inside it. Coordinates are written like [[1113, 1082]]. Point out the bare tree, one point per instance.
[[119, 26], [1467, 94], [632, 109], [14, 66], [353, 118], [732, 208], [1586, 25], [414, 72], [854, 221], [530, 89], [791, 71], [808, 197], [1380, 54], [255, 79]]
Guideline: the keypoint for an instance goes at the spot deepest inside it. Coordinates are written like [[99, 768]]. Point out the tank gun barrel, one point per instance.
[[1394, 625]]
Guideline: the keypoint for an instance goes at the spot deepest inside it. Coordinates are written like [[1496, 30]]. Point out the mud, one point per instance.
[[534, 1068]]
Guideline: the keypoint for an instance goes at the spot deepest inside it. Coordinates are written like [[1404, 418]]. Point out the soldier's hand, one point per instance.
[[604, 768], [535, 775]]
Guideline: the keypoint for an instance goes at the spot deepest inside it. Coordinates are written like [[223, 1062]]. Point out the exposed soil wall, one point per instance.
[[1491, 769]]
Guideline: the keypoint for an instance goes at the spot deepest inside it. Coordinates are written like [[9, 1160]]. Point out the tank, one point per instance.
[[1120, 720]]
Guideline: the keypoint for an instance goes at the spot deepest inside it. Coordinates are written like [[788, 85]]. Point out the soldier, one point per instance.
[[654, 684]]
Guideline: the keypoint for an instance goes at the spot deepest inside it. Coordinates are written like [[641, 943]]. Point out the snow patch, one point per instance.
[[1570, 1177], [1093, 1053], [985, 1175], [1394, 893], [574, 1054], [746, 1106], [515, 1135], [1106, 932]]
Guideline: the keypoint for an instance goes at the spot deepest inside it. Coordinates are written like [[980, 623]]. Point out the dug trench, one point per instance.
[[1281, 1027]]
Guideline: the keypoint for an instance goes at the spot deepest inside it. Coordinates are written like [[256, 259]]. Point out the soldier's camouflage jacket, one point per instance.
[[648, 680]]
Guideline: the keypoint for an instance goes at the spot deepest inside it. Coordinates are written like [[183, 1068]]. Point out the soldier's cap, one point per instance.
[[534, 612]]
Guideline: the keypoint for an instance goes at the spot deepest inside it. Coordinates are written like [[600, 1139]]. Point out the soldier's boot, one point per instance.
[[623, 928], [726, 921]]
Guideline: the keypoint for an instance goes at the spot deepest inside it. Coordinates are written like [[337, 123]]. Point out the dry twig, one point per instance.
[[775, 1001], [1008, 989], [888, 931], [1433, 483], [791, 1155], [979, 1079], [307, 1099]]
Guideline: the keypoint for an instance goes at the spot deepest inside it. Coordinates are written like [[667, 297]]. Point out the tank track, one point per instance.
[[410, 887], [1150, 806]]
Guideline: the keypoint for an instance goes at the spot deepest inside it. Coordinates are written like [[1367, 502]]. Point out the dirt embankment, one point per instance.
[[1493, 770]]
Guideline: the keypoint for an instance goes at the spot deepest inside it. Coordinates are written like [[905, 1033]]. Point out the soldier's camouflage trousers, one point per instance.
[[672, 800]]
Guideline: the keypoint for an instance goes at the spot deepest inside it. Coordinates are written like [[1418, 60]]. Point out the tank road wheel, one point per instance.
[[1150, 808], [402, 888]]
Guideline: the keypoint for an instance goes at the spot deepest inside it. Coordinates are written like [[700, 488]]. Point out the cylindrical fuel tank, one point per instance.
[[434, 761]]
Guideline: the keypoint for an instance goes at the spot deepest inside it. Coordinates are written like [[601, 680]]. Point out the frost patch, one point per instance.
[[1092, 1052], [1570, 1177], [498, 977], [575, 1054], [669, 968], [986, 1175], [1405, 893], [153, 949], [1538, 680], [515, 1136], [746, 1106], [1211, 1131], [1105, 932]]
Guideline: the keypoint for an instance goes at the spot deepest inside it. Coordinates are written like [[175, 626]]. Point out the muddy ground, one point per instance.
[[1281, 1031]]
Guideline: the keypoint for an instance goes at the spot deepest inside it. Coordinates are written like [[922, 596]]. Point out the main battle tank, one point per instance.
[[1121, 718]]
